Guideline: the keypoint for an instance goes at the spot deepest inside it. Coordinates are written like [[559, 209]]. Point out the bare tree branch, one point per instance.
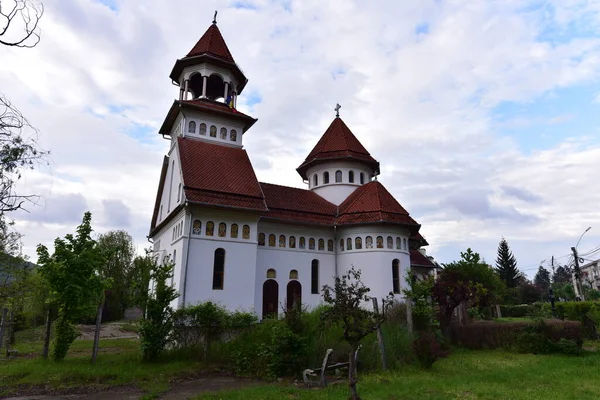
[[25, 31]]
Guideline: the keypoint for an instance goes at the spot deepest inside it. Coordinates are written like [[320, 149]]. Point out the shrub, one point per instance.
[[428, 349], [543, 338], [524, 336], [579, 311]]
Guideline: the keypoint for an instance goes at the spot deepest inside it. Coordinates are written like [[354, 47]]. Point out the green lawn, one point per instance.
[[464, 375], [118, 363]]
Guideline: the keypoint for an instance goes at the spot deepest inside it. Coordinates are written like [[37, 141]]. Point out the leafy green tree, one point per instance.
[[422, 304], [346, 299], [564, 291], [118, 253], [468, 280], [561, 275], [156, 329], [139, 278], [542, 281], [528, 293], [75, 285], [506, 266]]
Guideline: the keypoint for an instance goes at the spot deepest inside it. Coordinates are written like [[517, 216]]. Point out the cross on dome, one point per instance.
[[337, 110], [215, 17]]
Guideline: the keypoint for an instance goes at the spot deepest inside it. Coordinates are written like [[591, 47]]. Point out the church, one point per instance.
[[258, 246]]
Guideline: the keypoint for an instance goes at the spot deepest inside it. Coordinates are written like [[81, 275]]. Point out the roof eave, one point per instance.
[[316, 161], [181, 63]]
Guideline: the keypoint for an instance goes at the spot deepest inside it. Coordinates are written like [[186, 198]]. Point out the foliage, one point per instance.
[[422, 305], [428, 349], [562, 274], [468, 280], [156, 329], [140, 279], [118, 252], [75, 286], [542, 280], [564, 291], [528, 293], [541, 338], [506, 265]]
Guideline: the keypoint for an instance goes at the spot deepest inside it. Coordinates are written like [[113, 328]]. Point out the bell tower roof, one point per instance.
[[338, 143], [210, 49]]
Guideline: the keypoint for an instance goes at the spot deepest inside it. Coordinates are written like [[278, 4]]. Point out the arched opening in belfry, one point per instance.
[[215, 87], [195, 86]]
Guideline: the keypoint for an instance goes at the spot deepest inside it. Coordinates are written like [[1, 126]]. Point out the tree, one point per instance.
[[468, 280], [542, 281], [506, 266], [156, 328], [528, 293], [564, 291], [118, 252], [140, 279], [345, 299], [562, 275], [75, 285], [19, 23]]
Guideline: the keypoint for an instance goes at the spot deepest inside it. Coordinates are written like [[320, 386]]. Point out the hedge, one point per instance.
[[492, 335], [524, 310]]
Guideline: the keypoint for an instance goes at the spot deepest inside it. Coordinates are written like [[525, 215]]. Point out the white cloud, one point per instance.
[[420, 102]]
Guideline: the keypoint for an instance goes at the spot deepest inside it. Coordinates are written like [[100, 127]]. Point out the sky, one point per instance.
[[485, 115]]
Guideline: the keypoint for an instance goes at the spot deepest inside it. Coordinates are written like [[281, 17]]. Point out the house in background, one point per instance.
[[591, 274], [260, 246]]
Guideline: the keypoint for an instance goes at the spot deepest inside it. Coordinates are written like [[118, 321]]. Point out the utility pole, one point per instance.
[[578, 284], [551, 292]]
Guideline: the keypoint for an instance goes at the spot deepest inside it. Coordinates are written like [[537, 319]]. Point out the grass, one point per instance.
[[119, 364], [464, 375]]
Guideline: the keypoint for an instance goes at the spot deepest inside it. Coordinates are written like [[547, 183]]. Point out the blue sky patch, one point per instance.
[[112, 4]]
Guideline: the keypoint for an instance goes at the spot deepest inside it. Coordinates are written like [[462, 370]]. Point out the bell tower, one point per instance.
[[209, 82]]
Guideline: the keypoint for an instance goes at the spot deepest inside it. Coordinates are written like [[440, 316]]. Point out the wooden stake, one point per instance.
[[46, 349], [380, 341], [97, 333], [2, 326]]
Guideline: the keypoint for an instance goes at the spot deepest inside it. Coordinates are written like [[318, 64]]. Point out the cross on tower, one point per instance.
[[215, 17], [337, 110]]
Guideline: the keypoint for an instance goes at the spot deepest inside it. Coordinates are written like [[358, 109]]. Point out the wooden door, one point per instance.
[[270, 298]]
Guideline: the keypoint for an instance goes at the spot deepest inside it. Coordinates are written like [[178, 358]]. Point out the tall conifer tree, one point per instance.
[[506, 266]]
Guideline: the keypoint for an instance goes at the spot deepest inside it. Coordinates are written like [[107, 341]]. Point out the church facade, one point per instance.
[[258, 246]]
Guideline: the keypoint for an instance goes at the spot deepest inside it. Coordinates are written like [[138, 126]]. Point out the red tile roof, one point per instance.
[[297, 205], [420, 240], [337, 143], [373, 203], [212, 43], [219, 175], [417, 259], [209, 106]]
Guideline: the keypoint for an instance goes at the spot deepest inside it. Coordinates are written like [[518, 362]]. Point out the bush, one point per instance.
[[492, 335], [579, 311], [543, 338], [428, 349]]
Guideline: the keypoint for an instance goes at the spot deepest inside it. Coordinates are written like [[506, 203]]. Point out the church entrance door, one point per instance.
[[294, 294], [270, 298]]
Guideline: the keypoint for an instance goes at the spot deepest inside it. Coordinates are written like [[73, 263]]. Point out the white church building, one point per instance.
[[259, 246]]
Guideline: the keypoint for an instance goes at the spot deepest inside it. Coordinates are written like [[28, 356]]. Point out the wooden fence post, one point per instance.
[[97, 333], [409, 316], [9, 333], [2, 326], [380, 336], [47, 333]]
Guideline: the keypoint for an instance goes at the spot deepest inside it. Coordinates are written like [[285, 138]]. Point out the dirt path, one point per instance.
[[179, 391]]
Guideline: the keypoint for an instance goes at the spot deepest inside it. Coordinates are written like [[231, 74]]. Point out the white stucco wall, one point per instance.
[[172, 194], [337, 192], [199, 117]]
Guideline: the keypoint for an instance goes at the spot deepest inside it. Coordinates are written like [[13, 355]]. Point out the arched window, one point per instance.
[[330, 245], [203, 129], [222, 229], [246, 232], [213, 131], [396, 275], [349, 244], [292, 242], [271, 274], [325, 177], [390, 242], [179, 192], [197, 227], [358, 243], [293, 274], [234, 231], [316, 180], [405, 244], [210, 228], [224, 133], [261, 239], [398, 243], [192, 127], [218, 269], [174, 257], [311, 244], [380, 242], [341, 244], [321, 245], [368, 242], [362, 178], [302, 243], [271, 240], [314, 277], [351, 176], [338, 176], [281, 240], [233, 135]]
